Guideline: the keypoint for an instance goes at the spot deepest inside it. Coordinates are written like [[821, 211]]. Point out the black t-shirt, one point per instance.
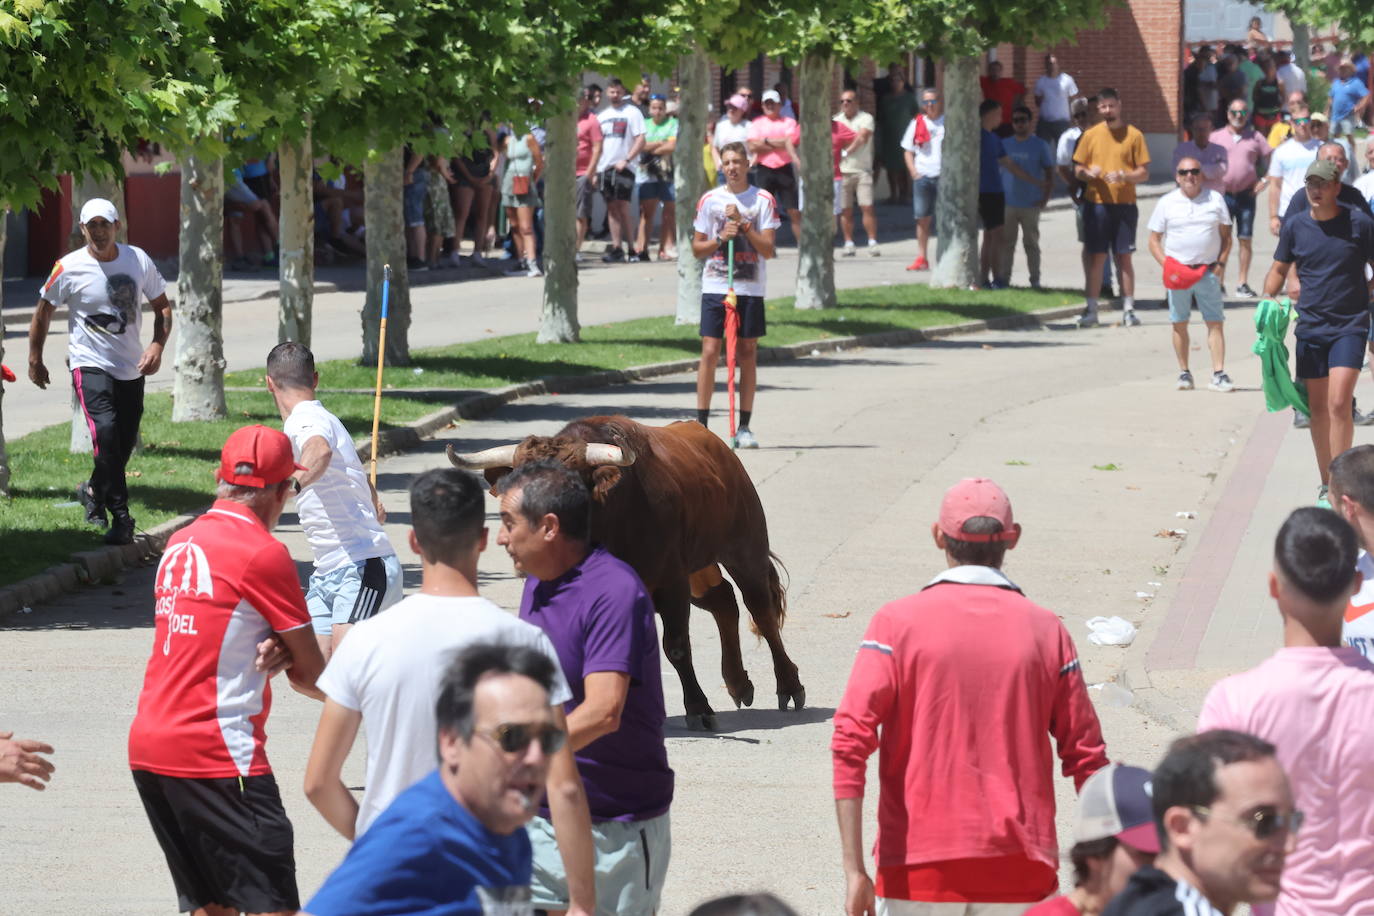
[[1349, 197], [1330, 256], [1150, 892]]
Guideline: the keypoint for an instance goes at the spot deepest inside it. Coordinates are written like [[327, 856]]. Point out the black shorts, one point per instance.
[[1316, 358], [227, 841], [751, 320], [260, 185], [781, 183], [617, 185], [992, 209], [1109, 227]]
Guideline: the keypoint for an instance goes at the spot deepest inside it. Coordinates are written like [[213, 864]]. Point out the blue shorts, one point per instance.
[[353, 593], [1242, 207], [413, 202], [1206, 293], [1109, 227], [656, 190], [923, 194], [751, 320], [1316, 358]]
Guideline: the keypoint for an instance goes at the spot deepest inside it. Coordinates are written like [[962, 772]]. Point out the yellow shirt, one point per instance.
[[1120, 150], [1280, 132]]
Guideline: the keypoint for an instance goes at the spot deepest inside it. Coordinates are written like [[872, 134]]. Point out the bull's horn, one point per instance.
[[502, 456], [599, 453]]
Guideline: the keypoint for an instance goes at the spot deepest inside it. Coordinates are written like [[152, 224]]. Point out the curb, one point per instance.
[[102, 564]]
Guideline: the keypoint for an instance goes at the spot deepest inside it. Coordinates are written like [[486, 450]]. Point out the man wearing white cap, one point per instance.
[[965, 811], [773, 142], [102, 286], [1114, 836]]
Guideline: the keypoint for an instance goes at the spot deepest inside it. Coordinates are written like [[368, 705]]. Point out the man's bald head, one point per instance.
[[1332, 151]]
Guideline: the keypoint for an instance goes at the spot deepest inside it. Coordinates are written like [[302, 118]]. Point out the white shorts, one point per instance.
[[631, 866]]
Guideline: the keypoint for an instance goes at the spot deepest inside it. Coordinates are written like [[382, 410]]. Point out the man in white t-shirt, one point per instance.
[[356, 571], [748, 217], [733, 127], [386, 677], [856, 173], [622, 138], [1352, 497], [922, 143], [103, 286], [1054, 92], [1190, 237], [1291, 75], [1288, 165]]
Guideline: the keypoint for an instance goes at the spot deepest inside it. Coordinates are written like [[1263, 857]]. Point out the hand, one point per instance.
[[273, 656], [1044, 202], [621, 165], [592, 177], [151, 360], [915, 175], [1274, 224], [1094, 171], [732, 213], [1260, 185], [19, 761], [379, 509], [38, 374], [858, 895], [1219, 268], [729, 230]]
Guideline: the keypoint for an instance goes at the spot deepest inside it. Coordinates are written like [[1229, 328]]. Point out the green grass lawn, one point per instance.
[[174, 473]]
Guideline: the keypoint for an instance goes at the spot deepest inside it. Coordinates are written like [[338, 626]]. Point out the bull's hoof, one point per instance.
[[701, 722], [745, 696], [798, 698]]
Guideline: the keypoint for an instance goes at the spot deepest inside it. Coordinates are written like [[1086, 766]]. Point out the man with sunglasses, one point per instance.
[[1226, 822], [103, 286], [1313, 700], [454, 841], [856, 173], [1288, 165], [1246, 150], [600, 619], [921, 144], [773, 142]]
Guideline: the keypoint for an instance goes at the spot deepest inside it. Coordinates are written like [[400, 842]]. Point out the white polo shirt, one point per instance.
[[1191, 225]]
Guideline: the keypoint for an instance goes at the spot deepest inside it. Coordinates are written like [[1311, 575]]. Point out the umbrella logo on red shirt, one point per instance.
[[195, 571]]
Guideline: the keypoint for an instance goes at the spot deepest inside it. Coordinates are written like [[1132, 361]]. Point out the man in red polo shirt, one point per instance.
[[1007, 92], [224, 589], [962, 685]]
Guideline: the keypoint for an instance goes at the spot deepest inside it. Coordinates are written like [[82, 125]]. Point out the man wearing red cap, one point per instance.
[[966, 775], [226, 593], [1190, 237]]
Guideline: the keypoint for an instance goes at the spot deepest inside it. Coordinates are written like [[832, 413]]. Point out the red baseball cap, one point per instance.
[[975, 497], [267, 451], [1181, 276]]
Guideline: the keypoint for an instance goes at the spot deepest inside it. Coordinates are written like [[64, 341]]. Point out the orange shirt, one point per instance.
[[1122, 149]]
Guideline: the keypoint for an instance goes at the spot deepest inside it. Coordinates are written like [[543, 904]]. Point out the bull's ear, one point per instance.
[[604, 480], [493, 476]]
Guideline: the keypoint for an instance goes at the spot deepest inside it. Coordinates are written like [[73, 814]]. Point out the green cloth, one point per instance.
[[1280, 390]]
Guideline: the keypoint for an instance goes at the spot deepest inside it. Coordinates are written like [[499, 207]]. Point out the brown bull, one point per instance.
[[676, 504]]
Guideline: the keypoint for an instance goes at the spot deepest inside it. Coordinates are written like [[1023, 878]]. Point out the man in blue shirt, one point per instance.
[[1349, 100], [453, 843], [1025, 199], [992, 197]]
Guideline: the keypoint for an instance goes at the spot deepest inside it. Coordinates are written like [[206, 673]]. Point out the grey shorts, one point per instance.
[[631, 865], [585, 196]]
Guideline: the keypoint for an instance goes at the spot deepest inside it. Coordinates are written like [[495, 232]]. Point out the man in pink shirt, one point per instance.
[[1199, 146], [965, 810], [1245, 150], [1314, 701], [588, 154], [773, 141]]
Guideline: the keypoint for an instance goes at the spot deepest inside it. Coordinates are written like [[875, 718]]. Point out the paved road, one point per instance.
[[858, 449]]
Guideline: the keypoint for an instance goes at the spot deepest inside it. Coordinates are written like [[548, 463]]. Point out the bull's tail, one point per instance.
[[777, 590]]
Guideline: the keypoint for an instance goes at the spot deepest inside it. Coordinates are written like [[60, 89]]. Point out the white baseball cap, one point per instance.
[[772, 96], [99, 207]]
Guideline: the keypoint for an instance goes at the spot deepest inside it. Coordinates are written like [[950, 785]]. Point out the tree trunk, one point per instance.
[[198, 387], [384, 178], [4, 455], [816, 248], [1302, 44], [85, 187], [558, 321], [689, 181], [956, 206], [296, 228]]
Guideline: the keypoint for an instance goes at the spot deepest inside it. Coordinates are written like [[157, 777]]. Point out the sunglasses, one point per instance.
[[516, 737], [1239, 111], [930, 101], [1302, 120], [1190, 171], [1264, 823]]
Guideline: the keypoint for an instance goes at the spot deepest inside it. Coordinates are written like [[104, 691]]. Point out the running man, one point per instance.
[[748, 216], [1330, 246], [356, 571]]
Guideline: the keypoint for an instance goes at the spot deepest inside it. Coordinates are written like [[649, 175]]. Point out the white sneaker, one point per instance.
[[1185, 381], [873, 249], [849, 250], [1088, 319], [534, 271], [1130, 319], [1221, 382], [745, 439]]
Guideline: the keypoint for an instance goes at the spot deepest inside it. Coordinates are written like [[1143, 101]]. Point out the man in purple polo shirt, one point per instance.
[[600, 620]]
